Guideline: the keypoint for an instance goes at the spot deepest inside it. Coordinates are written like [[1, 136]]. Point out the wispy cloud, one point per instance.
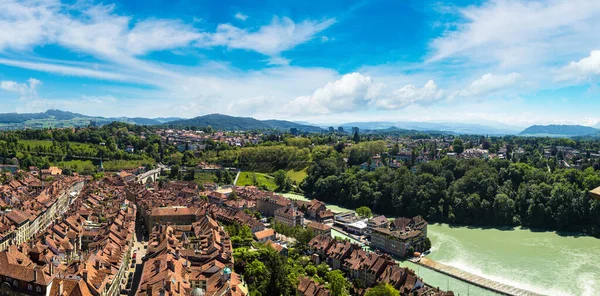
[[66, 70], [28, 94], [489, 84], [280, 35], [240, 16], [519, 32], [23, 89]]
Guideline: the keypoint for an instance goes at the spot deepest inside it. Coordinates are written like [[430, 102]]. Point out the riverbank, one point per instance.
[[544, 262], [431, 277], [474, 279]]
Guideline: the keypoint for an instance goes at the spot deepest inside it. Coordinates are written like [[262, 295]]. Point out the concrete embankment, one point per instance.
[[474, 279]]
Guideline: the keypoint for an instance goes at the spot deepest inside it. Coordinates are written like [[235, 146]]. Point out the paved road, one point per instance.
[[236, 177], [139, 245]]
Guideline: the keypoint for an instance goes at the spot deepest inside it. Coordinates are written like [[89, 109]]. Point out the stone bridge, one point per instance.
[[151, 175]]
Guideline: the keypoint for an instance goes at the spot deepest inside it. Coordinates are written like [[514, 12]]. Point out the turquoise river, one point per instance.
[[540, 261]]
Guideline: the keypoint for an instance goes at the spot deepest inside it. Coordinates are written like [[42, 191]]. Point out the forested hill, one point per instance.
[[559, 130], [226, 122], [58, 118]]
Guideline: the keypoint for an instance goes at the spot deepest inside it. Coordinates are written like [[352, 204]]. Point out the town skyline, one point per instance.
[[457, 61]]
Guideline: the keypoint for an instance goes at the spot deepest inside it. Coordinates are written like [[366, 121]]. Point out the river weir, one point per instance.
[[474, 279]]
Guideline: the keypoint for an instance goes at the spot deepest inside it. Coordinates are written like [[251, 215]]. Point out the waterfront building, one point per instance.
[[359, 227], [405, 234], [375, 222], [369, 267]]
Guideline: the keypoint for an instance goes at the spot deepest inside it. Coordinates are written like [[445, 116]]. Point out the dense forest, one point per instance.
[[472, 192]]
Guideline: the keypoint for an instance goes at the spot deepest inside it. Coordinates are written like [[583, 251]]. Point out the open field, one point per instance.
[[296, 176], [246, 179], [78, 166], [205, 177]]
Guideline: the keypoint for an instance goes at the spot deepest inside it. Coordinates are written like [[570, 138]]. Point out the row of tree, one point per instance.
[[473, 192]]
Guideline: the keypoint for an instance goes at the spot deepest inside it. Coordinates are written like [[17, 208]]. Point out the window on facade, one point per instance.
[[38, 289], [15, 283], [29, 287]]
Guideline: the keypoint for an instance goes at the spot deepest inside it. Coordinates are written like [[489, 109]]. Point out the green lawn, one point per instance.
[[296, 176], [246, 179], [205, 177], [79, 166]]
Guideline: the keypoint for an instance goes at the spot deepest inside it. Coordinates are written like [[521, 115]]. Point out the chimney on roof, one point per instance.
[[171, 265], [60, 287], [84, 273], [97, 264]]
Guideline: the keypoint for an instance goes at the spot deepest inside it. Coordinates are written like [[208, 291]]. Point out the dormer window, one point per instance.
[[38, 289], [29, 287]]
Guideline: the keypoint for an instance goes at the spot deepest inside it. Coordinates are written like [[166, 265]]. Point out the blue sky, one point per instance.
[[512, 61]]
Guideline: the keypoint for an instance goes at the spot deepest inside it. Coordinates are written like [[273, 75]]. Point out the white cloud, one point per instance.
[[148, 36], [410, 94], [99, 99], [250, 106], [240, 16], [355, 91], [28, 95], [582, 69], [280, 35], [55, 68], [23, 89], [344, 95], [120, 41], [97, 30], [520, 32], [488, 84]]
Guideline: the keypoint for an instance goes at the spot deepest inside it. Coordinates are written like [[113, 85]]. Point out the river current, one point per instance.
[[539, 261]]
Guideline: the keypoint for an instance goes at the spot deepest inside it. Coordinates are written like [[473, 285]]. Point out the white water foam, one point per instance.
[[466, 266]]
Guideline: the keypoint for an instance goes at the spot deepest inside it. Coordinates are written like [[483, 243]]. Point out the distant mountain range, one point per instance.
[[226, 122], [57, 118], [491, 128], [559, 131]]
